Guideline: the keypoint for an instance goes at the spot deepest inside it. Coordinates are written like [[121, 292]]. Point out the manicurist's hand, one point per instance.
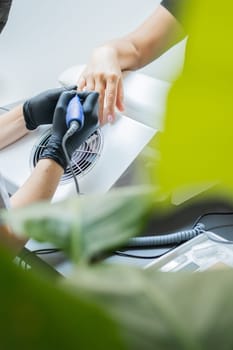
[[53, 149], [39, 109], [103, 74]]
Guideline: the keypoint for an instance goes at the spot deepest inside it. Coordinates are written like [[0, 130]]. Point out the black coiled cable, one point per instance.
[[163, 240]]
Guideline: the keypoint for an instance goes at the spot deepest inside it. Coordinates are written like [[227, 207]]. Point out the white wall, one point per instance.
[[43, 38]]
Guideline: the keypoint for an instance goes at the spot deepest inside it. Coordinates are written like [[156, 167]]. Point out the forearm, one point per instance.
[[151, 39], [12, 126], [9, 240], [41, 185], [103, 72]]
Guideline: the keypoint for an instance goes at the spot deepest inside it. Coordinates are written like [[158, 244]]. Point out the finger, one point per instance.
[[83, 95], [120, 96], [81, 83], [51, 94], [100, 88], [90, 83], [111, 95], [70, 87], [63, 101], [54, 94], [91, 101], [90, 108]]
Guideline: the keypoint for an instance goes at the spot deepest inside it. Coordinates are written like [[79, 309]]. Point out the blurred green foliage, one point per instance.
[[37, 313], [157, 310], [87, 225], [150, 309], [196, 145]]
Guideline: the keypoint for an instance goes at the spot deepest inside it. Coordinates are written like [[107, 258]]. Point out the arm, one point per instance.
[[36, 111], [104, 71], [43, 182], [41, 185], [151, 39], [12, 126]]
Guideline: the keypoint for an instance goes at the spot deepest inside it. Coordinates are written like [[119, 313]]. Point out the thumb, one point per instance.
[[63, 101], [83, 95], [91, 102]]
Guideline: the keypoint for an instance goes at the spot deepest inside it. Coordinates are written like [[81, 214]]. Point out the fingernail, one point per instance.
[[110, 118]]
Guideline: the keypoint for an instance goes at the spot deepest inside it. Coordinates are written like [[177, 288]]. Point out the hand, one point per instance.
[[103, 74], [53, 150], [39, 109]]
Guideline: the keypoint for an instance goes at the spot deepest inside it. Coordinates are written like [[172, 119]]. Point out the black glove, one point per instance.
[[53, 150], [39, 109]]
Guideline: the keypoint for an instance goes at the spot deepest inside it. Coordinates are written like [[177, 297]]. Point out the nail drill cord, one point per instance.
[[73, 128]]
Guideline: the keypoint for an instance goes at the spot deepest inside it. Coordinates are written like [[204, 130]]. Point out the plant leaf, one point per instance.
[[158, 310], [38, 313], [85, 226], [147, 318]]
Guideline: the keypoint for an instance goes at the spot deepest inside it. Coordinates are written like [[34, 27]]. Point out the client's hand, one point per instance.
[[53, 150], [39, 109], [103, 74]]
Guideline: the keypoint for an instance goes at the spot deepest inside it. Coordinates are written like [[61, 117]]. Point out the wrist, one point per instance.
[[30, 125], [127, 54], [49, 164], [107, 51], [55, 152]]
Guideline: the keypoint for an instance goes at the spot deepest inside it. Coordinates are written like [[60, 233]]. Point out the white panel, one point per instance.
[[122, 142]]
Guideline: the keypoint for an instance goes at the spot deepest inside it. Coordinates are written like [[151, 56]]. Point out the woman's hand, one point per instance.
[[54, 149], [39, 109], [103, 74]]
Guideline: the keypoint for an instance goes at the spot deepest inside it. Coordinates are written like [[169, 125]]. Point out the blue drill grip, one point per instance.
[[75, 112]]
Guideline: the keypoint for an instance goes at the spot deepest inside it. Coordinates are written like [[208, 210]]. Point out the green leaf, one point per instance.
[[155, 310], [87, 225], [147, 318], [37, 313]]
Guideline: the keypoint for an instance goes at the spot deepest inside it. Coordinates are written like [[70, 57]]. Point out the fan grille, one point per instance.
[[83, 158]]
